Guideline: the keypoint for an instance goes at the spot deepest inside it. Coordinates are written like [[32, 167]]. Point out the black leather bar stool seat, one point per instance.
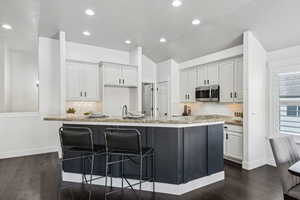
[[96, 148]]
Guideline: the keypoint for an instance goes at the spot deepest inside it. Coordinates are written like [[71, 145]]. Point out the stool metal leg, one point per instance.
[[92, 169], [141, 171], [122, 174], [153, 171], [106, 174]]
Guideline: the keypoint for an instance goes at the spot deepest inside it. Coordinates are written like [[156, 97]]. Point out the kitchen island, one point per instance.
[[188, 150]]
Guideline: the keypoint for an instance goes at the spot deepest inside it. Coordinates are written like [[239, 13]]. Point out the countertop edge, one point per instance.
[[166, 125]]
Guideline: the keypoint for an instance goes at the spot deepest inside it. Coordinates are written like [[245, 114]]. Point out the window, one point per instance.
[[289, 119]]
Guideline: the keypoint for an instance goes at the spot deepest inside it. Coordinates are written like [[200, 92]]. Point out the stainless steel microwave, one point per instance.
[[208, 93]]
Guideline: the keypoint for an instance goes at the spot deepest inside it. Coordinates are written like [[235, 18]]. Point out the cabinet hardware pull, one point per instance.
[[188, 96], [85, 94], [235, 95], [230, 94], [119, 81], [123, 81], [226, 136], [81, 93], [204, 82], [208, 82]]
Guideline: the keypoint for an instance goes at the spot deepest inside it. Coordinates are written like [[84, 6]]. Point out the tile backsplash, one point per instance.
[[82, 107], [215, 108]]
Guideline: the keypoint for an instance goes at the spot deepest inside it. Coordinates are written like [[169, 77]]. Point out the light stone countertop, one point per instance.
[[188, 121]]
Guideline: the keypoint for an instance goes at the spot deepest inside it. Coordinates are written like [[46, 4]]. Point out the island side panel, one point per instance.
[[215, 149], [168, 146], [195, 152]]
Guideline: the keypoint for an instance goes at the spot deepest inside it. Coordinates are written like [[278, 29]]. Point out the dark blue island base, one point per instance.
[[183, 155]]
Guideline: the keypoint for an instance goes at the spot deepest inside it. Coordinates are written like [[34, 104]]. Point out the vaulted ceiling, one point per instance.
[[144, 22]]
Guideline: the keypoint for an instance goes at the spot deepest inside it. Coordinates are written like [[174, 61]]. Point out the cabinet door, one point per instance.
[[213, 74], [235, 145], [112, 74], [129, 76], [90, 81], [192, 82], [183, 85], [73, 82], [201, 76], [225, 142], [238, 77], [226, 70]]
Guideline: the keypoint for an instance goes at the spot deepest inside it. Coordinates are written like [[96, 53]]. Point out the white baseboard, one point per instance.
[[27, 152], [253, 164], [272, 163], [159, 187]]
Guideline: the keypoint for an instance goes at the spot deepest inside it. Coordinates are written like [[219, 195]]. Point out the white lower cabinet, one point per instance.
[[233, 143]]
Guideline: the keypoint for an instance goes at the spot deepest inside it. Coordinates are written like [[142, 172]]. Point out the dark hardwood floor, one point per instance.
[[35, 178]]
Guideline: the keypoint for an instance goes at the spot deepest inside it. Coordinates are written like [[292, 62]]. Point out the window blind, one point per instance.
[[289, 101]]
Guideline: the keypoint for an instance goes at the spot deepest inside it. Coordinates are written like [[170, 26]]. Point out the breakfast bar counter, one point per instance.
[[188, 150]]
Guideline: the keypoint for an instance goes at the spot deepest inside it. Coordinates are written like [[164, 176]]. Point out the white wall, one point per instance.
[[255, 121], [169, 71], [22, 77], [26, 133], [95, 54], [279, 61], [149, 70], [220, 55]]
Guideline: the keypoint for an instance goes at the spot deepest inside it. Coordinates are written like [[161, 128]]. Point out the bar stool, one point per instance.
[[127, 145], [79, 141]]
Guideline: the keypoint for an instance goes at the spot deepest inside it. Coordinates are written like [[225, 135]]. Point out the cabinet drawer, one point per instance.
[[234, 128]]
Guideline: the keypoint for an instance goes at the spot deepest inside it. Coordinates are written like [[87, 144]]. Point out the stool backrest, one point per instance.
[[76, 137], [285, 154], [123, 140]]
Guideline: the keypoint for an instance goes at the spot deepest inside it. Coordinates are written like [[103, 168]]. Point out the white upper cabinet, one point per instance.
[[188, 79], [73, 81], [213, 74], [226, 69], [82, 82], [231, 80], [90, 82], [208, 75], [201, 76], [120, 75], [129, 76], [112, 74], [238, 90]]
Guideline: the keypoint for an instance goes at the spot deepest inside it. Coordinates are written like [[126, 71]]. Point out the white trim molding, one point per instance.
[[159, 187], [28, 152]]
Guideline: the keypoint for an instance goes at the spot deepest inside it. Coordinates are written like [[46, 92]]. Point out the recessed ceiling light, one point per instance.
[[196, 22], [128, 42], [6, 26], [86, 33], [176, 3], [89, 12], [162, 40]]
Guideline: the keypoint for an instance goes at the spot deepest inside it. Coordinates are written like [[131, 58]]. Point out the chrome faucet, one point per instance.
[[124, 111]]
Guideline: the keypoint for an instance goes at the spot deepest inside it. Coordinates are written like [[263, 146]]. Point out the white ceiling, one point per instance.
[[274, 22]]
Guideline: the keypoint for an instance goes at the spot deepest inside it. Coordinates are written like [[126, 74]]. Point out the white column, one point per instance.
[[62, 62]]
